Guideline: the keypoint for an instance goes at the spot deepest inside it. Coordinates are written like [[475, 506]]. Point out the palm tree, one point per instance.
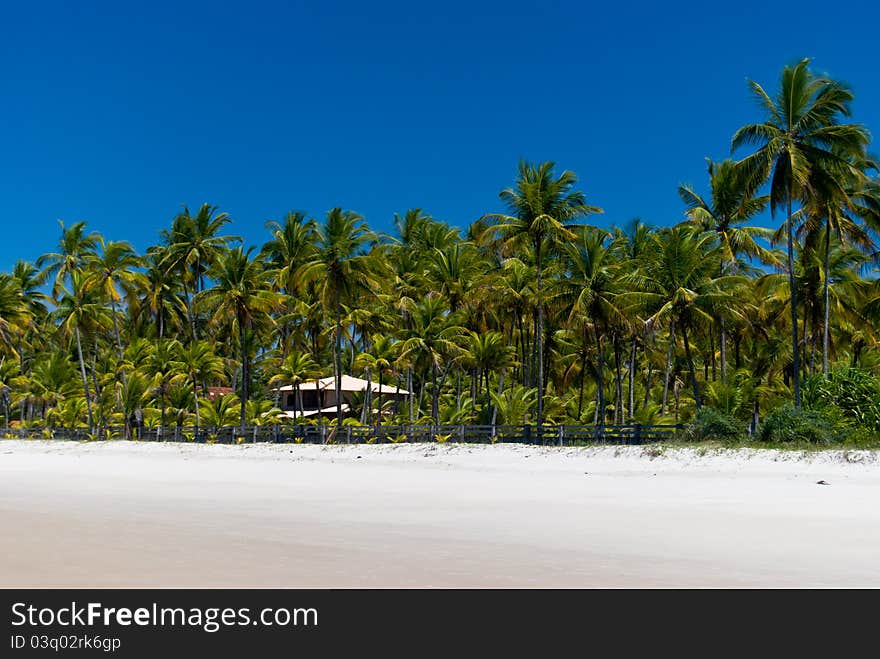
[[73, 248], [592, 262], [801, 133], [193, 246], [166, 370], [432, 341], [341, 271], [156, 296], [730, 206], [680, 285], [201, 365], [487, 352], [296, 369], [14, 312], [541, 209], [110, 271], [240, 297], [79, 311], [292, 245]]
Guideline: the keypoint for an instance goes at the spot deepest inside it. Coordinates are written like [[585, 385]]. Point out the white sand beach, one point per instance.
[[161, 515]]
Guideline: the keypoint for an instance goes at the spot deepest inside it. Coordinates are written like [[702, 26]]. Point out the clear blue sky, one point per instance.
[[117, 113]]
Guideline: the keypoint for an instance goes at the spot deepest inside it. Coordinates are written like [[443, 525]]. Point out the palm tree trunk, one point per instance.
[[409, 388], [618, 383], [539, 339], [116, 331], [600, 378], [366, 412], [723, 351], [244, 372], [632, 378], [337, 361], [196, 399], [583, 379], [795, 357], [668, 367], [435, 395], [189, 309], [690, 360], [85, 381], [379, 401], [827, 296]]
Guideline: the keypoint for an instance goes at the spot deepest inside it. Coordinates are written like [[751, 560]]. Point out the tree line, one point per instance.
[[528, 315]]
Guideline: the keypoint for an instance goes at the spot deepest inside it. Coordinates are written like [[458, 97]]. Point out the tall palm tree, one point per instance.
[[156, 297], [341, 271], [680, 286], [79, 311], [296, 369], [844, 211], [240, 297], [292, 245], [801, 133], [201, 365], [194, 244], [432, 342], [730, 206], [541, 206], [592, 262], [14, 312], [111, 270], [74, 247], [487, 352]]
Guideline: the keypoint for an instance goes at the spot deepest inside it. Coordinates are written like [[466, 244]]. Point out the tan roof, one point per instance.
[[348, 384]]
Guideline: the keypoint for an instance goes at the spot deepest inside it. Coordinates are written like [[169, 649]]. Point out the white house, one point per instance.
[[319, 396]]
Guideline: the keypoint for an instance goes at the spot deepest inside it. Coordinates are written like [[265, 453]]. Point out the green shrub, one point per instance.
[[790, 424], [851, 393], [711, 424]]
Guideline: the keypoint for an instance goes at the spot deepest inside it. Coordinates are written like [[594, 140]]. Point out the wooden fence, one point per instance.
[[385, 434]]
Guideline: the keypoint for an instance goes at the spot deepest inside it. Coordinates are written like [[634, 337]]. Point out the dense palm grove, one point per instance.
[[529, 315]]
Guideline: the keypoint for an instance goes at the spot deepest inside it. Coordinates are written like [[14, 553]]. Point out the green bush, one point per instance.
[[711, 424], [790, 424], [851, 393]]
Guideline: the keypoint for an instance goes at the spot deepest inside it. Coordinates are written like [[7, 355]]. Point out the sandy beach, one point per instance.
[[116, 514]]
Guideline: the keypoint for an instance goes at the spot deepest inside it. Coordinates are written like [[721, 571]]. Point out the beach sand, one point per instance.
[[115, 514]]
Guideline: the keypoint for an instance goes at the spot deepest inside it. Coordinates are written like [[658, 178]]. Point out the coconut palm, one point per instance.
[[111, 270], [194, 244], [79, 311], [432, 342], [724, 214], [296, 369], [680, 287], [801, 133], [589, 292], [341, 271], [201, 365], [541, 208], [240, 298], [74, 247]]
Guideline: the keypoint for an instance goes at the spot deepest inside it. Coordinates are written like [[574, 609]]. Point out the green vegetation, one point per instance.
[[525, 315]]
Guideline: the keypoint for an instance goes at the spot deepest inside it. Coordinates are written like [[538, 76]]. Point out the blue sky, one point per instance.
[[118, 113]]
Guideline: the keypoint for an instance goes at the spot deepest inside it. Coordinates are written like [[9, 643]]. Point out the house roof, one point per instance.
[[348, 384]]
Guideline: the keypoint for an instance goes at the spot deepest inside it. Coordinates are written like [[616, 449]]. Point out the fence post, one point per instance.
[[561, 435], [638, 433]]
